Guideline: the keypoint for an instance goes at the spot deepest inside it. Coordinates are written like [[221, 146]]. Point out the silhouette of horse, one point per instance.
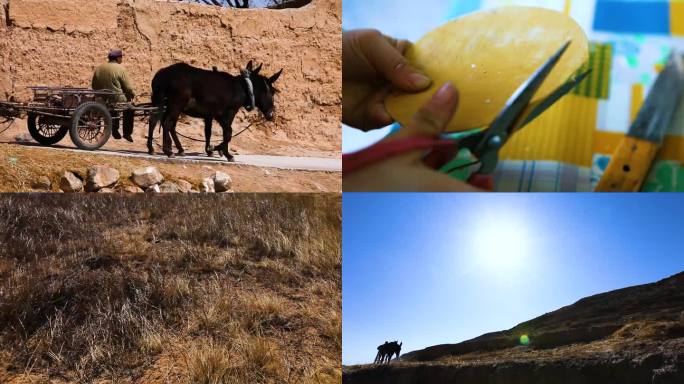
[[386, 351], [210, 95]]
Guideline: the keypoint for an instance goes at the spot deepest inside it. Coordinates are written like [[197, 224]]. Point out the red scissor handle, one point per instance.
[[484, 182], [386, 149], [441, 152]]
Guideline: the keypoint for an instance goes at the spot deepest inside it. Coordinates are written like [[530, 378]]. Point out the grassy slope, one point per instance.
[[170, 288], [20, 165]]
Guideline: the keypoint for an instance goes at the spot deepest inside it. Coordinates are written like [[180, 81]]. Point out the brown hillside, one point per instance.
[[631, 335]]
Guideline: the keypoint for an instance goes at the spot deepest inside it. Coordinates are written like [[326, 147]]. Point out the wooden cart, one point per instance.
[[85, 114]]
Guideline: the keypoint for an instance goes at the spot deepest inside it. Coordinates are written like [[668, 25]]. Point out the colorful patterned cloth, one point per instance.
[[597, 84], [541, 176], [569, 146]]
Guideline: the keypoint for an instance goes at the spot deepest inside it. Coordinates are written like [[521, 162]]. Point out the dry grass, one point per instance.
[[642, 336], [655, 330], [262, 311], [262, 361], [212, 289], [208, 365]]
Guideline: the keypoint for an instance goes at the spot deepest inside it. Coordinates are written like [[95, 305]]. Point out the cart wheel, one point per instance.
[[44, 132], [91, 125]]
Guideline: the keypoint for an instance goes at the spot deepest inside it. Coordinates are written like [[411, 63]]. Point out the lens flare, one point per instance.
[[502, 243], [524, 340]]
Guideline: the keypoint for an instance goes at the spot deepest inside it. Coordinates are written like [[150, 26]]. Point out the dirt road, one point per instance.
[[298, 163]]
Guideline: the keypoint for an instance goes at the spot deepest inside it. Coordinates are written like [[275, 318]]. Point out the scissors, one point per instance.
[[484, 145]]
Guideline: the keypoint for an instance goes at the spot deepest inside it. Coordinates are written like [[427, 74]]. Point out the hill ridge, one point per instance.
[[628, 335]]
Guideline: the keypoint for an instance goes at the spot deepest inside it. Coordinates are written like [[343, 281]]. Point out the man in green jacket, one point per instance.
[[112, 76]]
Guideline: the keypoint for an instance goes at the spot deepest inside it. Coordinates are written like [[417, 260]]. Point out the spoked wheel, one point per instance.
[[91, 125], [46, 131]]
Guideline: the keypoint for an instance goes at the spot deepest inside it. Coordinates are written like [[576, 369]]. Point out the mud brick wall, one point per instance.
[[60, 42]]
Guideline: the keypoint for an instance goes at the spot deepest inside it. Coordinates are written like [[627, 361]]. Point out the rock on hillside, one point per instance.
[[631, 335]]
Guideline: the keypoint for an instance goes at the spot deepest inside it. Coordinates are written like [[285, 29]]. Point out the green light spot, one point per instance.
[[524, 340], [633, 61], [664, 55]]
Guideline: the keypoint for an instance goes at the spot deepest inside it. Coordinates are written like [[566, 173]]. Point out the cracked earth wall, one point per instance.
[[59, 43]]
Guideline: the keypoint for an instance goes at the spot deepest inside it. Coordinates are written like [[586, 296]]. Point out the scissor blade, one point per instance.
[[487, 149], [505, 123], [655, 115], [554, 97]]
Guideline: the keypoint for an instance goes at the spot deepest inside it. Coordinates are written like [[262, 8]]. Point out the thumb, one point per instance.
[[433, 117]]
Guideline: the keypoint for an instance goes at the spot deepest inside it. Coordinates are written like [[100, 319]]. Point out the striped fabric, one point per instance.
[[553, 176], [597, 84], [541, 176]]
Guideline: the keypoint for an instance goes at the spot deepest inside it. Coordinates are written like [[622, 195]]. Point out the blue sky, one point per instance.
[[442, 268]]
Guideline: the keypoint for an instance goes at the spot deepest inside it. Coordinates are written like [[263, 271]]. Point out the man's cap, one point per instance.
[[115, 53]]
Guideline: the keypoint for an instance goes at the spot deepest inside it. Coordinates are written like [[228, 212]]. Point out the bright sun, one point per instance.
[[501, 242]]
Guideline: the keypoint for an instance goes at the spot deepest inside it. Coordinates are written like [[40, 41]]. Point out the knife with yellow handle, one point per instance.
[[632, 161]]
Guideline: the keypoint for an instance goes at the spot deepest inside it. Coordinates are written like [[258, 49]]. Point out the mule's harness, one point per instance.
[[250, 89]]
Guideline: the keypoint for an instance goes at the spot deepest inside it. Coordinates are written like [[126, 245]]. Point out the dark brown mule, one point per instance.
[[386, 351], [209, 95]]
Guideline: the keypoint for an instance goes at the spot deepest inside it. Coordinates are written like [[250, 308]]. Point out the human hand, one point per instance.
[[407, 172], [372, 65]]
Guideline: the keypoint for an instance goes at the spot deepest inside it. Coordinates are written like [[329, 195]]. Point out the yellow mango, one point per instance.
[[487, 56]]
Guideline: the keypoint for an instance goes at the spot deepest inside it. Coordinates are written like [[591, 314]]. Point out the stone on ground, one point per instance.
[[222, 181], [69, 182], [147, 177], [168, 187], [153, 189], [101, 176], [132, 189], [184, 186], [207, 185], [42, 182]]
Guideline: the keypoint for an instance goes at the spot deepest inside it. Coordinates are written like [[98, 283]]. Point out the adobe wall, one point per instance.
[[61, 42]]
